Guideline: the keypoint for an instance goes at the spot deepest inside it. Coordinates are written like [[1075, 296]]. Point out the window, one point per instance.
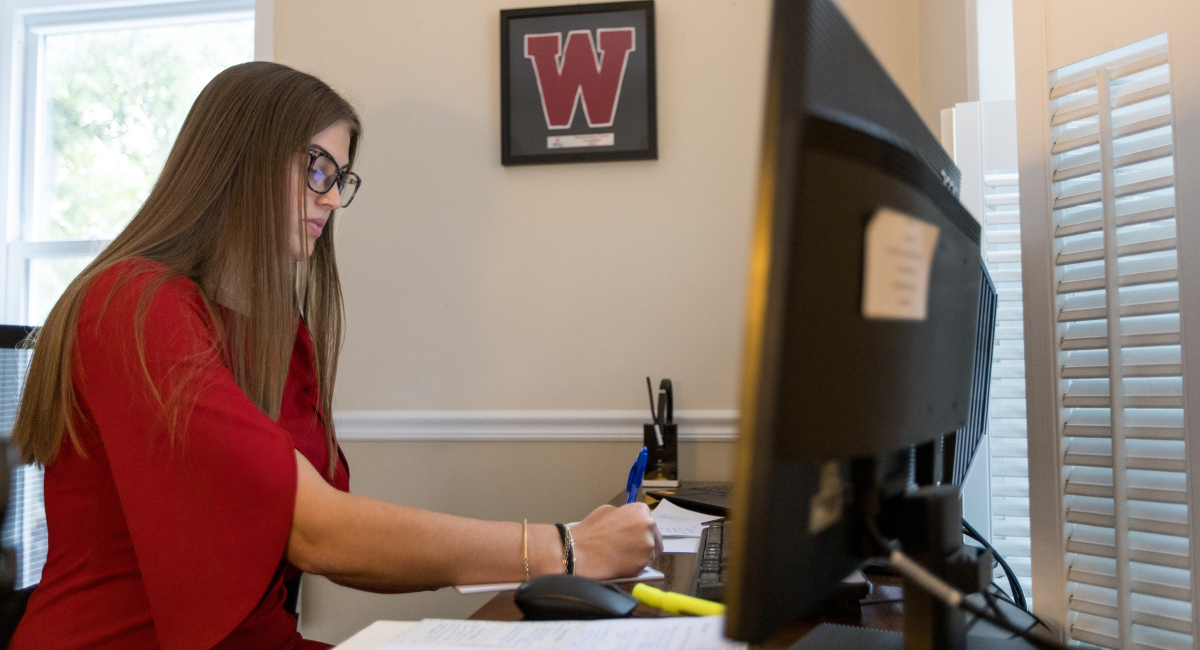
[[102, 96], [98, 94]]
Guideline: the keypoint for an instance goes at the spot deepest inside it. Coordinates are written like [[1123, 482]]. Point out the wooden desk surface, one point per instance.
[[882, 610]]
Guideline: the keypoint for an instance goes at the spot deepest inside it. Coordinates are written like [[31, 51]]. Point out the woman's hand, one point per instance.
[[615, 542]]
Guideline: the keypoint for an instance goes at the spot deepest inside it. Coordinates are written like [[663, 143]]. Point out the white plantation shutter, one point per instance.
[[985, 150], [1006, 415], [1118, 345]]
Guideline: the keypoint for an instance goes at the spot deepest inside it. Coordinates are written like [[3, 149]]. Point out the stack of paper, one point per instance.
[[684, 633], [680, 527]]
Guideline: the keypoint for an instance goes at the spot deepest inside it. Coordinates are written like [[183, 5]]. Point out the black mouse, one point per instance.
[[569, 597]]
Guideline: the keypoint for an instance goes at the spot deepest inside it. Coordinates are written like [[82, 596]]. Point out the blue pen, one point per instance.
[[635, 476]]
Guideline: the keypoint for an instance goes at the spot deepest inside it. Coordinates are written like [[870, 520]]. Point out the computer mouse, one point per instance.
[[570, 597]]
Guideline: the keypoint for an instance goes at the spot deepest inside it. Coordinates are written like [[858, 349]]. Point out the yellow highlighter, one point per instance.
[[674, 603]]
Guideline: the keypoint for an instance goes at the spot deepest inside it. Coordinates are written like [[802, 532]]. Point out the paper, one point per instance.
[[898, 255], [674, 521], [375, 635], [585, 140], [681, 544], [682, 633], [646, 574], [825, 507]]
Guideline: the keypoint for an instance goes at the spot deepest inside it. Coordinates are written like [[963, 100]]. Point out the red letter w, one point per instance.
[[565, 76]]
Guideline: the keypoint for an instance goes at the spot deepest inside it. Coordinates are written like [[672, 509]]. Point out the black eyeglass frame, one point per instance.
[[339, 180]]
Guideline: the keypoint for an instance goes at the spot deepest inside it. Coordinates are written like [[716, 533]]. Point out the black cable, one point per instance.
[[1003, 623], [937, 587], [971, 623], [994, 604], [1018, 594], [995, 607], [1001, 594]]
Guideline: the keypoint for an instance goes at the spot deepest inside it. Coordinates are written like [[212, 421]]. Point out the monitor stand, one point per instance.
[[928, 523]]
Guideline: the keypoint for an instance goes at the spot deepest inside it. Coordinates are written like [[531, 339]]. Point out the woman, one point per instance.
[[190, 369]]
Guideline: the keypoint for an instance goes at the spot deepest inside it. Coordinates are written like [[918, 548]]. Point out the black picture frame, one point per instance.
[[533, 107]]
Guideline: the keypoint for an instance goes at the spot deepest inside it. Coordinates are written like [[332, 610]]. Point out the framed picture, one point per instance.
[[577, 83]]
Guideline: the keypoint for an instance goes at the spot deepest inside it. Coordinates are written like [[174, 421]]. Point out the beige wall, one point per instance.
[[923, 46], [942, 36], [470, 285], [475, 286]]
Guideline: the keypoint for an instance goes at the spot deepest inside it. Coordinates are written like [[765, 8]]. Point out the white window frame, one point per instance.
[[22, 23]]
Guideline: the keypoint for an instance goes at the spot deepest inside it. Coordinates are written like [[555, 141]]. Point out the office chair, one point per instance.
[[12, 600], [14, 361]]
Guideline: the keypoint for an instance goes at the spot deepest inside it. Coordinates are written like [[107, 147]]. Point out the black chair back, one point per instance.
[[14, 360]]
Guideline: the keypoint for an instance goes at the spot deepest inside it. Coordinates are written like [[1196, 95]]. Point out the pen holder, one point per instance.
[[662, 461]]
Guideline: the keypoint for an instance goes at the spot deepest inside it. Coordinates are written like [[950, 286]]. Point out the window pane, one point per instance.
[[110, 107], [48, 278]]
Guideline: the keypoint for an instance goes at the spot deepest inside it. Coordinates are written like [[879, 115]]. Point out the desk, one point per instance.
[[677, 567]]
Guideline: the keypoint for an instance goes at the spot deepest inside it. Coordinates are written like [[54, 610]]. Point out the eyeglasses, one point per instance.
[[323, 174]]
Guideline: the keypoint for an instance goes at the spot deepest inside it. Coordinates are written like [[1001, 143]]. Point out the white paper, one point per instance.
[[681, 633], [375, 635], [825, 507], [646, 574], [674, 521], [898, 255], [681, 544]]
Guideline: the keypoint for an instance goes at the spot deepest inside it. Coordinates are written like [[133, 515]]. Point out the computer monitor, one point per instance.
[[947, 460], [959, 448], [862, 326]]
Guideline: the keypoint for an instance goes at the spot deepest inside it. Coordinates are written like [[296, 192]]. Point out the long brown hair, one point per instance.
[[219, 214]]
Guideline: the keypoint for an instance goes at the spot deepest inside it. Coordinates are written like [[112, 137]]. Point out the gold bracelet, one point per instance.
[[525, 545]]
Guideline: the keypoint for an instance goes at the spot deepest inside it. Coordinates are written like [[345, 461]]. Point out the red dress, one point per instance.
[[155, 544]]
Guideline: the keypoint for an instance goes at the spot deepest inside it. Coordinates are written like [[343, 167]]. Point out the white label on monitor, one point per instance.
[[825, 508], [586, 140], [898, 256]]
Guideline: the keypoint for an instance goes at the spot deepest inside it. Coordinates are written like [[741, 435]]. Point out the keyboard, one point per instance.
[[712, 562], [708, 577]]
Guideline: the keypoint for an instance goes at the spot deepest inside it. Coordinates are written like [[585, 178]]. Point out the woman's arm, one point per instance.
[[378, 546]]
